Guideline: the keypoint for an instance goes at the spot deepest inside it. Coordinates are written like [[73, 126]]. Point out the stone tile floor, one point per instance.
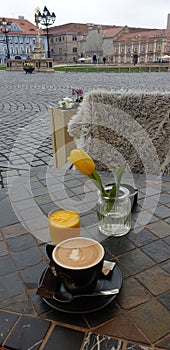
[[137, 319]]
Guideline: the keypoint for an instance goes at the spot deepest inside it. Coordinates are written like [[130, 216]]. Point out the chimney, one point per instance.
[[168, 22]]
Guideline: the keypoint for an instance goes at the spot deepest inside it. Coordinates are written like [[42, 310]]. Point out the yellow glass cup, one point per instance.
[[63, 224]]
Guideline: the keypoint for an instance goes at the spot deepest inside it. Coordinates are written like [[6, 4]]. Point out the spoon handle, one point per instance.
[[102, 292]]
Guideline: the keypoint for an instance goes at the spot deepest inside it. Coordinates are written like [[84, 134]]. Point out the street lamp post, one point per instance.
[[46, 19], [5, 28]]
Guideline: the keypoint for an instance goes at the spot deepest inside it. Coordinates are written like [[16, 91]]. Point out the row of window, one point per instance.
[[74, 50], [18, 40], [16, 50], [142, 48], [62, 38]]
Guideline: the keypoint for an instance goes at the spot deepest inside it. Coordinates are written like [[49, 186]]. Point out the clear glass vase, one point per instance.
[[114, 214]]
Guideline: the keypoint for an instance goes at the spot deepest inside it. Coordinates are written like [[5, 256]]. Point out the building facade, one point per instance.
[[141, 47], [21, 39], [72, 41], [69, 42]]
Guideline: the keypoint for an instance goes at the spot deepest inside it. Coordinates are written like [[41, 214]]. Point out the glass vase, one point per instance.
[[114, 214]]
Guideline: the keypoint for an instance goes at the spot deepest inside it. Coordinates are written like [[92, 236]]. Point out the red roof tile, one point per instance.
[[27, 27], [154, 33], [78, 28]]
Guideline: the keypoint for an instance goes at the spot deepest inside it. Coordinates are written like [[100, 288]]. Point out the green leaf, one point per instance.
[[118, 177], [112, 192], [98, 182]]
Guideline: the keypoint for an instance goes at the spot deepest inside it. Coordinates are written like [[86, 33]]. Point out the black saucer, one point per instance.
[[88, 304]]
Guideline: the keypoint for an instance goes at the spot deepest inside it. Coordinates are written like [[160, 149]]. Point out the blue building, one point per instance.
[[21, 39]]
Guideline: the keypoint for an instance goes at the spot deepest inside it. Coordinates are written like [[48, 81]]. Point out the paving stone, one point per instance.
[[26, 258], [158, 251], [168, 220], [155, 279], [167, 239], [46, 208], [39, 305], [19, 303], [19, 243], [118, 246], [165, 299], [6, 265], [137, 295], [68, 339], [142, 238], [166, 266], [164, 343], [31, 275], [164, 198], [3, 249], [160, 228], [122, 325], [102, 316], [154, 310], [28, 333], [162, 212], [10, 285], [135, 262], [13, 230], [8, 216], [95, 342], [7, 322]]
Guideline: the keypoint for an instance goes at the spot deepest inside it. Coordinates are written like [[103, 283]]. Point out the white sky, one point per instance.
[[141, 13]]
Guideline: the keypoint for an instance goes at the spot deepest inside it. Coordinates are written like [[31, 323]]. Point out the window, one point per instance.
[[135, 49], [59, 38], [63, 38], [143, 47], [158, 46], [116, 49], [128, 58], [128, 49], [56, 39], [74, 49], [74, 38], [122, 49], [150, 47]]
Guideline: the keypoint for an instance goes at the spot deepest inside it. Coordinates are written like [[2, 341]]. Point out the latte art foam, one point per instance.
[[78, 253]]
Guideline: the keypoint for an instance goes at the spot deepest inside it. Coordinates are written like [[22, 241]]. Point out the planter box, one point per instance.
[[62, 142]]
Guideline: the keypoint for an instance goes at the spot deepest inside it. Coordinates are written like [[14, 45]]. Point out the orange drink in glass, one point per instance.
[[63, 224]]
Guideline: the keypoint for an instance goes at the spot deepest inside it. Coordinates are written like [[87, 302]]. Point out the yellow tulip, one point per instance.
[[82, 161]]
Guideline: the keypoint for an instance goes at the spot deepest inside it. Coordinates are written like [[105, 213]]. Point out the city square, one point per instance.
[[139, 316]]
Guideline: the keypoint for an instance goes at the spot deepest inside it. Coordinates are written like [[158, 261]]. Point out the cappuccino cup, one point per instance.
[[78, 261]]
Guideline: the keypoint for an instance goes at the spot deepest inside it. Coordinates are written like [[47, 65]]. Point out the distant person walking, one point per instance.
[[94, 58], [104, 60]]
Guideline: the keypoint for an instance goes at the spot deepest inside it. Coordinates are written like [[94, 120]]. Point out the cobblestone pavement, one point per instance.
[[25, 99]]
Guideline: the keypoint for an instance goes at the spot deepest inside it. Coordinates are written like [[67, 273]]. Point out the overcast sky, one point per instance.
[[143, 13]]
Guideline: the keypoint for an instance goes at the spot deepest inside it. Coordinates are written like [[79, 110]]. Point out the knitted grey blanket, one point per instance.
[[125, 127]]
